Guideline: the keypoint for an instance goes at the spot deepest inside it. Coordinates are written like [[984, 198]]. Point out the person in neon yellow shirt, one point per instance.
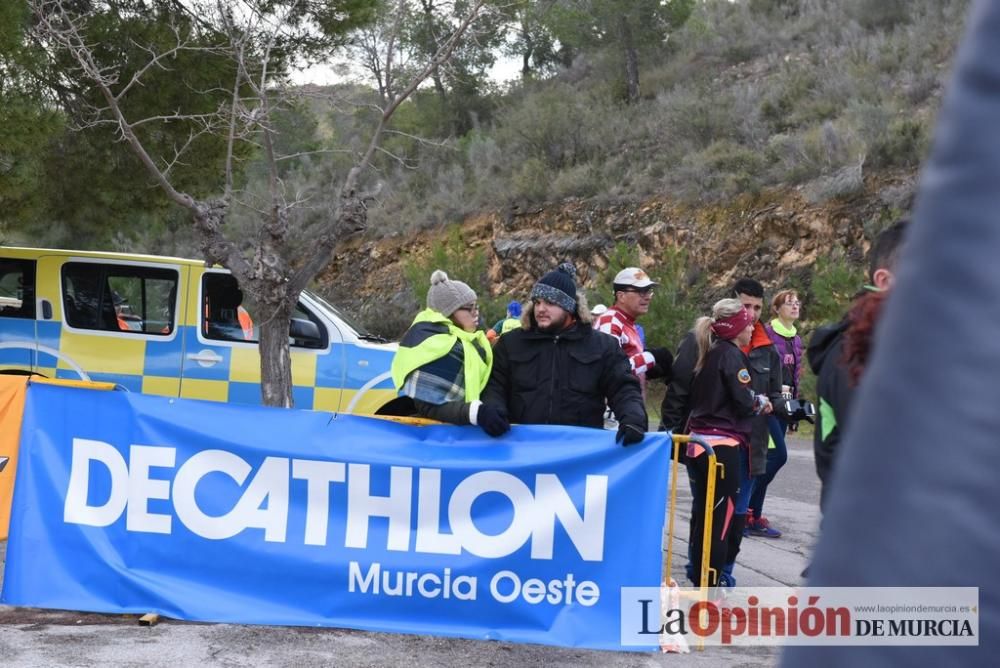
[[444, 359]]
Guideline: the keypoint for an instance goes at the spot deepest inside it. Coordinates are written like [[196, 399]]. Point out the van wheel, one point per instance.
[[399, 407]]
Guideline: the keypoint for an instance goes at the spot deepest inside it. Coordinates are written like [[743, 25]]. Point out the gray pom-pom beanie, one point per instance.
[[447, 296]]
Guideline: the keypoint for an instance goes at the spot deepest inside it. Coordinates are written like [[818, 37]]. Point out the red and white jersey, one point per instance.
[[622, 327]]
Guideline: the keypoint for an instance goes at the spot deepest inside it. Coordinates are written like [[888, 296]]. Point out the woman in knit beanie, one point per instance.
[[444, 361]]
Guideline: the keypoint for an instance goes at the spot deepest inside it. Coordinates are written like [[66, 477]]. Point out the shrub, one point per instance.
[[577, 181], [693, 118], [814, 153], [781, 9], [835, 281], [557, 125], [879, 14], [905, 144], [531, 181], [844, 182], [723, 169], [806, 94]]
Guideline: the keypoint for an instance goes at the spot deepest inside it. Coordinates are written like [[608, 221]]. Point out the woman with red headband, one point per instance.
[[722, 404]]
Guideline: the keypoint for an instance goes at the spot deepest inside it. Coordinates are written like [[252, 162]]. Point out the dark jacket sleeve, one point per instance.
[[740, 392], [833, 412], [621, 387], [676, 404], [779, 377], [452, 412], [498, 387]]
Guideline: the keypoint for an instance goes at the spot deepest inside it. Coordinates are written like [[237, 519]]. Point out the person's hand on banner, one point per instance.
[[493, 420], [629, 434]]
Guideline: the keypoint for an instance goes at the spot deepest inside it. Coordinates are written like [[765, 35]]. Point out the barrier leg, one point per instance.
[[675, 464], [714, 467]]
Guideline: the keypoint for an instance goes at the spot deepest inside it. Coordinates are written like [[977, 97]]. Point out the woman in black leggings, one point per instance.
[[722, 404]]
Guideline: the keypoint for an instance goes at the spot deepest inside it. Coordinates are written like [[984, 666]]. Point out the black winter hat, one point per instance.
[[558, 287]]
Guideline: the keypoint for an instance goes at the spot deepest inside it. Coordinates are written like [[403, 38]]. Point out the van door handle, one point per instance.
[[205, 357]]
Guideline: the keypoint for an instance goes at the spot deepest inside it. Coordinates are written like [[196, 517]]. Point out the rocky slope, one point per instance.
[[774, 236]]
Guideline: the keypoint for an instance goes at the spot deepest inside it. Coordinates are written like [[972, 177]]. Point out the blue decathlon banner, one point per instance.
[[126, 503]]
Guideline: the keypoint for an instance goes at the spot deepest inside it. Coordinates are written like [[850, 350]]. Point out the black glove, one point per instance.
[[493, 420], [664, 364], [629, 434]]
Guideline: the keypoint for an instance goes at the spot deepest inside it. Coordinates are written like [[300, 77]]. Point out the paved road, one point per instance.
[[48, 638]]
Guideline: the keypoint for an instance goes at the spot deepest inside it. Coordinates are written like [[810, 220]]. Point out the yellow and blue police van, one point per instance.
[[174, 327]]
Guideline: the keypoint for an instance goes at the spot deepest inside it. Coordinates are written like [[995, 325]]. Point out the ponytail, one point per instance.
[[703, 337]]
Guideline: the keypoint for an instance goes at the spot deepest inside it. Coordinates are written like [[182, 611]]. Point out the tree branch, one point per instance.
[[350, 216]]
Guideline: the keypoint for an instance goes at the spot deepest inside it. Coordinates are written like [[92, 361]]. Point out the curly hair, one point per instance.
[[860, 336]]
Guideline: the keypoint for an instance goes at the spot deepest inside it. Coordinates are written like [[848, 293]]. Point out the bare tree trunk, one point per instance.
[[275, 357], [272, 277], [526, 60], [631, 61]]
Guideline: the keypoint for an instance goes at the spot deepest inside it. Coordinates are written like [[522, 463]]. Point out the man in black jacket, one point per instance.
[[832, 384], [556, 369]]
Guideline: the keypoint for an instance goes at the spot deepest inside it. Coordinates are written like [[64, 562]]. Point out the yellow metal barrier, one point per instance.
[[714, 469]]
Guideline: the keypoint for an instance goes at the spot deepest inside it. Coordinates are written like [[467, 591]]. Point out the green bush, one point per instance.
[[804, 95], [694, 117], [905, 144], [577, 181], [782, 9], [557, 125], [808, 155], [531, 181], [880, 14], [724, 169], [845, 182], [835, 281]]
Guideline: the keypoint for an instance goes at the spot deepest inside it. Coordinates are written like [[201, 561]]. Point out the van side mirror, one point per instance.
[[305, 333]]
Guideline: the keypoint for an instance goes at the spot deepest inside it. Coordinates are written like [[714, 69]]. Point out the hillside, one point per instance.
[[773, 138]]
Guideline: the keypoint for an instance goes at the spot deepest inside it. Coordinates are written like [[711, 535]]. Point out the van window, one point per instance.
[[224, 317], [229, 315], [17, 288], [119, 298]]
